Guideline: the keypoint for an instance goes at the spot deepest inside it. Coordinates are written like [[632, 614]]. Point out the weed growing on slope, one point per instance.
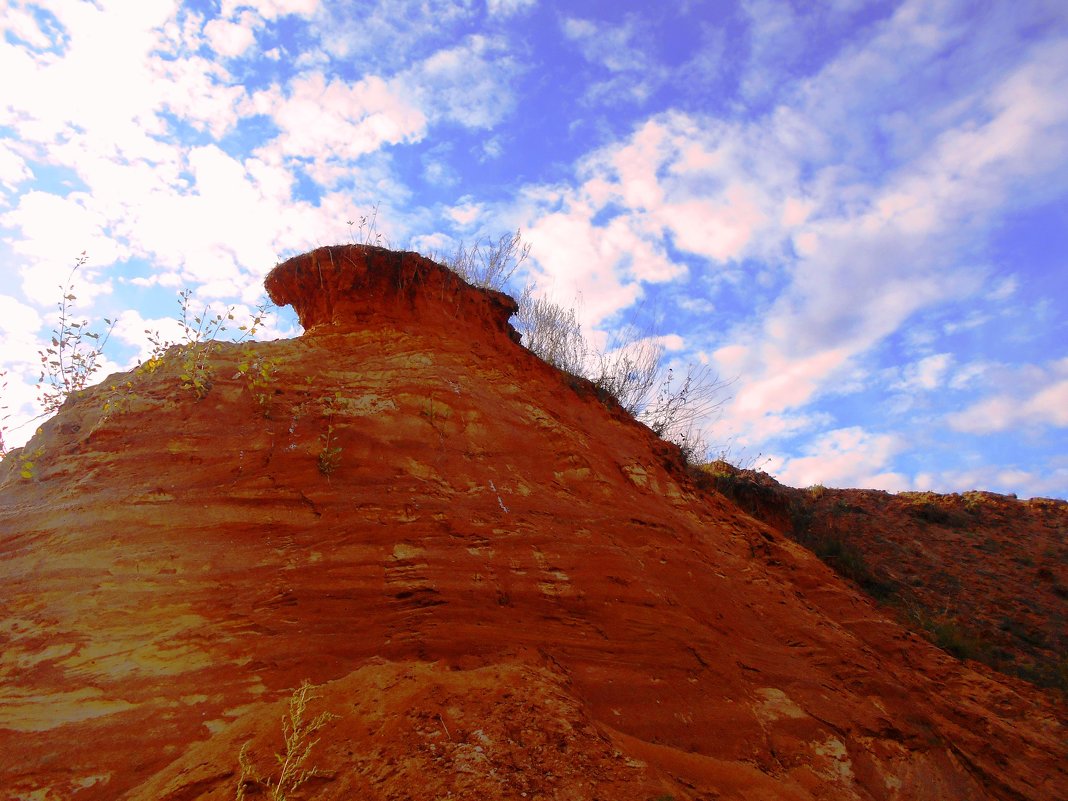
[[330, 454], [630, 369], [70, 360], [200, 332], [258, 373], [298, 736], [489, 264], [847, 561], [366, 231], [329, 457], [951, 636], [27, 464], [119, 395]]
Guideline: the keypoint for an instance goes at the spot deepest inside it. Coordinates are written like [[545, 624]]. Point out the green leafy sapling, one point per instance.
[[69, 362], [258, 373], [330, 452], [200, 332]]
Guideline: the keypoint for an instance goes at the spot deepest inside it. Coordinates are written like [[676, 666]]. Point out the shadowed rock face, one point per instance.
[[984, 574], [497, 584]]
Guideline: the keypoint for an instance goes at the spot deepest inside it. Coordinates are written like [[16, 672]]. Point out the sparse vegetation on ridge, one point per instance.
[[487, 263], [200, 333], [838, 525], [631, 370]]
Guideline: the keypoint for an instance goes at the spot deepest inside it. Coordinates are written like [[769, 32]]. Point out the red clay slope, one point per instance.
[[502, 586]]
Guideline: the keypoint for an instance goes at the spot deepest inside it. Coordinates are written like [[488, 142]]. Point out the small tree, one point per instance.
[[70, 361]]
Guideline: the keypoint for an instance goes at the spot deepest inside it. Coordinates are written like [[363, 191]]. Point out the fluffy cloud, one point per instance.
[[13, 169], [621, 51], [508, 8], [846, 457], [409, 26], [48, 258], [1039, 398], [271, 9], [926, 374], [330, 119], [231, 39], [854, 241], [19, 324], [468, 84], [1050, 481]]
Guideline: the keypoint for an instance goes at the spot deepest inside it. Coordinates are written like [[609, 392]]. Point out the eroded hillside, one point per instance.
[[499, 585]]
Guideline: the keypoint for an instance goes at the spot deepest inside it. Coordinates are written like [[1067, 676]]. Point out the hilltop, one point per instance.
[[498, 584]]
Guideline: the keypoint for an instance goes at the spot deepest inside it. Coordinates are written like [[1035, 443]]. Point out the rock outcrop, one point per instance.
[[498, 586]]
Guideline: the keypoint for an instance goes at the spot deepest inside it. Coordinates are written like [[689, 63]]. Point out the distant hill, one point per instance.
[[983, 575]]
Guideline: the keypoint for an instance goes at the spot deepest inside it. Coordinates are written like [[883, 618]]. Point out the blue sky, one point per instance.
[[858, 211]]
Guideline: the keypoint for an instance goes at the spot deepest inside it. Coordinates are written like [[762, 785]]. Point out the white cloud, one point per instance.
[[1004, 290], [134, 330], [231, 39], [621, 51], [19, 346], [864, 268], [1049, 481], [846, 457], [468, 84], [409, 26], [13, 169], [20, 24], [509, 8], [787, 383], [271, 9], [106, 49], [16, 317], [51, 226], [1039, 398], [465, 214], [585, 270], [331, 119], [858, 252], [927, 374], [603, 44]]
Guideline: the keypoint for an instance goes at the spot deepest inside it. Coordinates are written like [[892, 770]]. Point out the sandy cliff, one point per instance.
[[501, 586]]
